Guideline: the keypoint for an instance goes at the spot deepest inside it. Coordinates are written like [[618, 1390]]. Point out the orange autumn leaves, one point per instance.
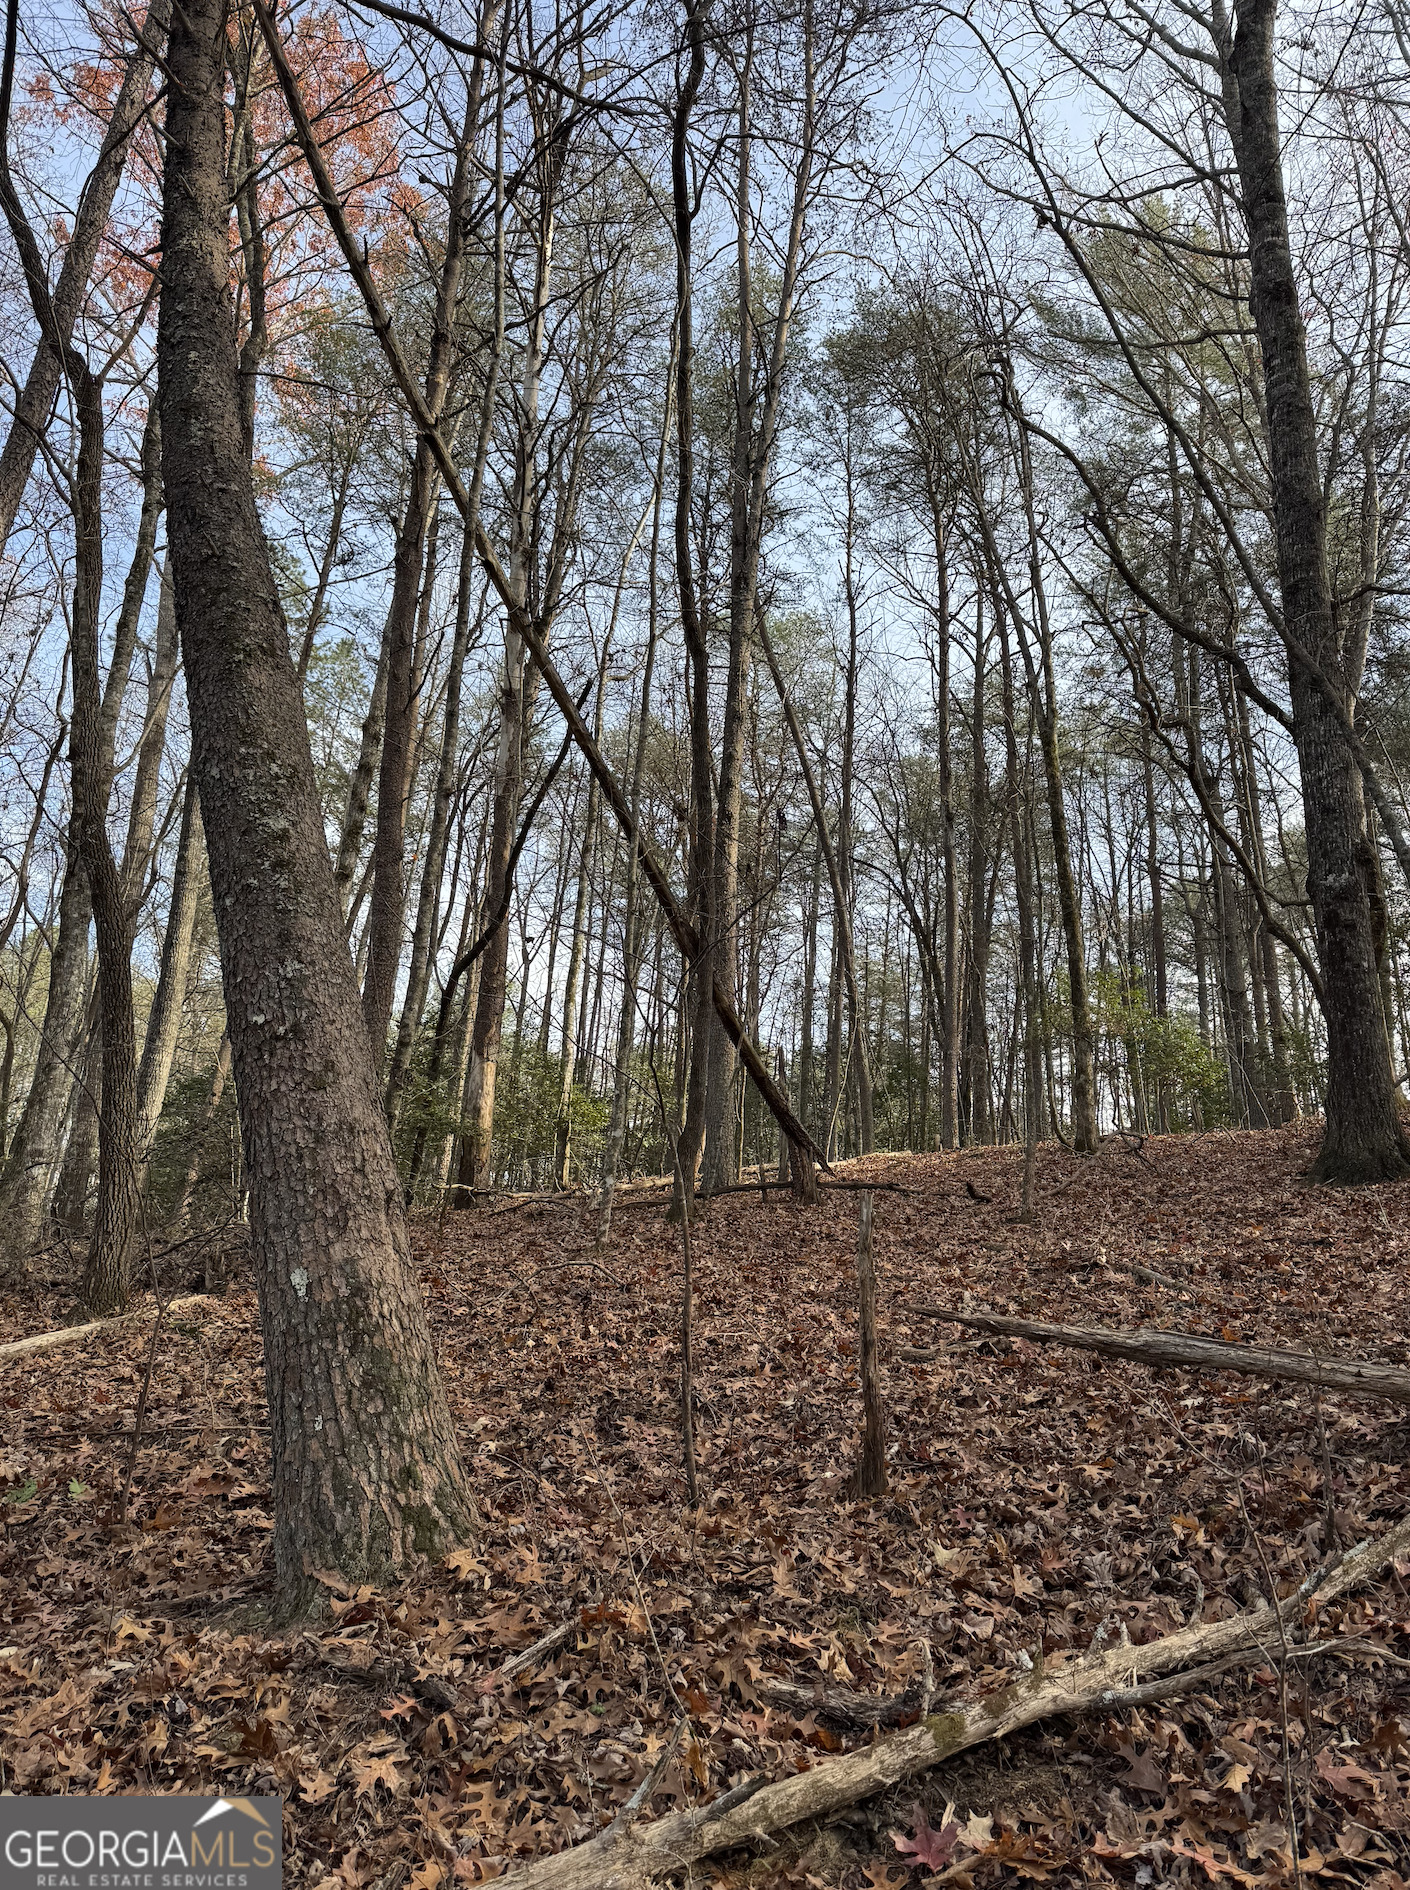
[[352, 99]]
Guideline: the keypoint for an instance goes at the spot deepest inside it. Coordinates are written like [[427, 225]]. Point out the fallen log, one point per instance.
[[1101, 1680], [70, 1335], [1367, 1377]]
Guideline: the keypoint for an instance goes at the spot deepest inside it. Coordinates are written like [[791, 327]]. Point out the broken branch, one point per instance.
[[1367, 1377], [1099, 1681]]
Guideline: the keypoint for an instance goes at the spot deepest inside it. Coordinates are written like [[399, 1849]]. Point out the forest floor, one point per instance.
[[1034, 1495]]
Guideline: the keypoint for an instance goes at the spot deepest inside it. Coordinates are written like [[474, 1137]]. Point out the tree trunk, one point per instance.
[[697, 1008], [981, 1125], [388, 896], [563, 1126], [220, 1077], [104, 1286], [846, 840], [164, 1020], [478, 1137], [354, 823], [1042, 685], [34, 1147], [423, 940], [146, 780], [721, 1123], [366, 1473], [1364, 1140], [950, 992]]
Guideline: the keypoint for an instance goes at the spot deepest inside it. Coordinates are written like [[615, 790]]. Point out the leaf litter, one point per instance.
[[1036, 1499]]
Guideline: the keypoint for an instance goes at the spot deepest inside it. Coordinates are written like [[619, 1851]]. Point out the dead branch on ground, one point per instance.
[[1368, 1378]]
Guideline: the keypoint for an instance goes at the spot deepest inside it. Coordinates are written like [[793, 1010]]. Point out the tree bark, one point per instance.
[[697, 1011], [572, 983], [981, 1126], [387, 906], [219, 1078], [366, 1473], [369, 751], [164, 1020], [34, 1146], [423, 942], [1364, 1139], [104, 1286], [478, 1136], [721, 1122]]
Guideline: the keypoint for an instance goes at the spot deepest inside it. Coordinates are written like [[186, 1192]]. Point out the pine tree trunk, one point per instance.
[[366, 1473]]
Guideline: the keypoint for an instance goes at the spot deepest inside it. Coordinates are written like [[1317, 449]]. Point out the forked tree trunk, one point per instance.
[[366, 1473]]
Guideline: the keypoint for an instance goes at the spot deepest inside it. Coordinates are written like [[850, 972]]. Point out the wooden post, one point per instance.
[[870, 1478]]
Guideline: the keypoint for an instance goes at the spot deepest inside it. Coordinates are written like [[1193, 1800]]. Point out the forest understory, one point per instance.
[[1035, 1495]]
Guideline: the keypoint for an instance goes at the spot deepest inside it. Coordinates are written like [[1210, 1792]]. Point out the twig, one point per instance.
[[635, 1805], [530, 1657], [141, 1414]]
